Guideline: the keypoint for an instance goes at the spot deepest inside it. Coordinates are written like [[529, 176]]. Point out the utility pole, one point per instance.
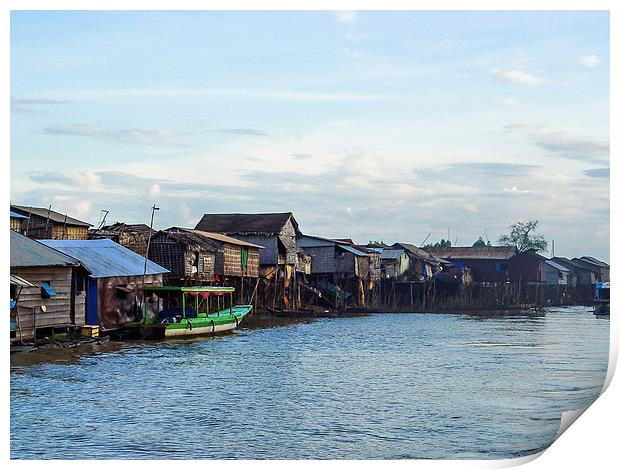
[[146, 255], [553, 248]]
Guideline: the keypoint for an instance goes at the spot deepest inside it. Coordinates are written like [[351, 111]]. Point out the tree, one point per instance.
[[523, 235], [442, 244], [480, 243]]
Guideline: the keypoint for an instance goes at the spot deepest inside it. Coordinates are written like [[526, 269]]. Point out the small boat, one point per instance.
[[171, 311], [601, 298]]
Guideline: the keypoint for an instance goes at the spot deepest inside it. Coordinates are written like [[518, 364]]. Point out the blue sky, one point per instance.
[[371, 125]]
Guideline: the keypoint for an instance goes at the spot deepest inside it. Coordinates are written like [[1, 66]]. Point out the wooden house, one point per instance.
[[422, 265], [198, 256], [17, 222], [601, 267], [234, 257], [43, 223], [486, 264], [334, 257], [276, 232], [189, 257], [48, 289], [132, 236], [117, 275], [556, 274], [494, 263]]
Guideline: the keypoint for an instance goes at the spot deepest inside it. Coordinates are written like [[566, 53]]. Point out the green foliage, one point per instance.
[[523, 235], [480, 243], [442, 244]]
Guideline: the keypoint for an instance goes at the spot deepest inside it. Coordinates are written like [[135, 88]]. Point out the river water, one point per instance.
[[383, 386]]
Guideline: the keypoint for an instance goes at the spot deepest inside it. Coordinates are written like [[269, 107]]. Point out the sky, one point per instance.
[[393, 126]]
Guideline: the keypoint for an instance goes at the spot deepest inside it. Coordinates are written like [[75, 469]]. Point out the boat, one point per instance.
[[601, 298], [172, 311]]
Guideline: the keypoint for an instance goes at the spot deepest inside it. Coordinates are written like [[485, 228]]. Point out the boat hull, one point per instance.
[[218, 323]]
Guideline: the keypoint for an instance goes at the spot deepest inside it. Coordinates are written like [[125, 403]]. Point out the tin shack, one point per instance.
[[117, 275], [48, 289]]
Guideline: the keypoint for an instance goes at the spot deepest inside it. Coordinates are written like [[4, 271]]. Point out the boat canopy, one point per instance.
[[190, 290], [195, 290]]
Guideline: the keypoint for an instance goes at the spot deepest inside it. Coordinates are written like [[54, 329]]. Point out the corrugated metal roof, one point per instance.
[[15, 215], [53, 215], [20, 281], [220, 237], [391, 253], [470, 252], [105, 258], [591, 259], [557, 266], [26, 252], [350, 249]]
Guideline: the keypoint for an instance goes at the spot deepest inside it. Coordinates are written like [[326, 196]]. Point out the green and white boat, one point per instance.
[[171, 311]]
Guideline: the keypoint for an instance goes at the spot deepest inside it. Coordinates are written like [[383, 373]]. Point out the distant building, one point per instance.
[[556, 274], [132, 236], [276, 232], [194, 256], [335, 257], [43, 223], [495, 263], [48, 289], [601, 266], [422, 264], [17, 222], [114, 292]]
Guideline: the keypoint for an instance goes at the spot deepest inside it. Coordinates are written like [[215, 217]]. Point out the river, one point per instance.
[[381, 386]]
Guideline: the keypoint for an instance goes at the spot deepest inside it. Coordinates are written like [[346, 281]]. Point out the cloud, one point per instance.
[[590, 61], [509, 101], [135, 136], [241, 131], [564, 145], [301, 156], [517, 76], [257, 93], [347, 17], [32, 105], [597, 173], [155, 190], [74, 205], [65, 178]]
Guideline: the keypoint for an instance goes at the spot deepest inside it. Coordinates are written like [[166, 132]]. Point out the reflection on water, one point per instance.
[[381, 386]]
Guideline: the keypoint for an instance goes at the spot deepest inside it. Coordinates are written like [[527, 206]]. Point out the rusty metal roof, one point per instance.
[[105, 258], [220, 237], [271, 223], [470, 252], [26, 252]]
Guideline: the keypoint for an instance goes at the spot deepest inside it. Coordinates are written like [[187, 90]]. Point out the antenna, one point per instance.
[[104, 213], [146, 255], [422, 244], [486, 235]]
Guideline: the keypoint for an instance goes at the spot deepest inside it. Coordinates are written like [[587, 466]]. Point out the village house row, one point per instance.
[[66, 274]]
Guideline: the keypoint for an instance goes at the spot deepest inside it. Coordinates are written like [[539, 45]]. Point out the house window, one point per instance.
[[47, 291]]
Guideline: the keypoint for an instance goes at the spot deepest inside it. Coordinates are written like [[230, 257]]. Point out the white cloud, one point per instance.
[[75, 206], [590, 61], [347, 17], [517, 76], [510, 101], [155, 190]]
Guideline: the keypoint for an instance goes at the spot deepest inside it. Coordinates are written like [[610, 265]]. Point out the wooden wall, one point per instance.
[[228, 261], [58, 309]]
